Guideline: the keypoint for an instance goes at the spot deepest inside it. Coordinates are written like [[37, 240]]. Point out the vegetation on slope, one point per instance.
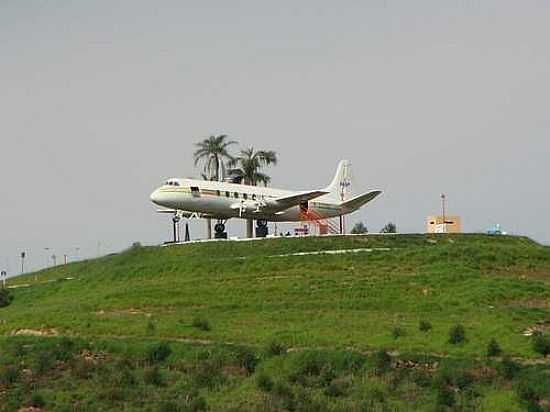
[[433, 303]]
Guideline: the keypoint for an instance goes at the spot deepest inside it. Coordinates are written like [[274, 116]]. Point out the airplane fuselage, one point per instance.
[[223, 200]]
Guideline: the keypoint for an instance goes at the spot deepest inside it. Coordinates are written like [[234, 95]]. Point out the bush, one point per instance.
[[527, 393], [37, 401], [64, 350], [397, 332], [336, 389], [44, 362], [286, 396], [6, 297], [9, 375], [150, 328], [264, 382], [382, 362], [158, 352], [201, 323], [275, 348], [508, 369], [457, 334], [198, 404], [82, 369], [247, 359], [541, 344], [424, 326], [493, 348], [152, 376], [445, 397]]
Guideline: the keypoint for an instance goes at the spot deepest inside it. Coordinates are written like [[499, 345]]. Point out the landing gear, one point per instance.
[[219, 228], [261, 228], [175, 221]]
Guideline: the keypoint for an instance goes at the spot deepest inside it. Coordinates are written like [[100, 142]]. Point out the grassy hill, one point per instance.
[[331, 307]]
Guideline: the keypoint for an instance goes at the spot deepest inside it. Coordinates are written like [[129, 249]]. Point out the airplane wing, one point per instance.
[[295, 199]]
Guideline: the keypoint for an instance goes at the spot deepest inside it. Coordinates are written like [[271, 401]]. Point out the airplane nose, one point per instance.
[[155, 197]]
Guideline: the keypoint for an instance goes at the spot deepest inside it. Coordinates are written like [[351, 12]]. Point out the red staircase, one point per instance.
[[324, 226]]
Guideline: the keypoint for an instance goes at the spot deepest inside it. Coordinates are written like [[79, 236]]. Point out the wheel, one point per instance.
[[261, 223], [219, 228]]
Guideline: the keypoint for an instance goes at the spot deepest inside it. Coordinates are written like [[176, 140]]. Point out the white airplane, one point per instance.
[[222, 200]]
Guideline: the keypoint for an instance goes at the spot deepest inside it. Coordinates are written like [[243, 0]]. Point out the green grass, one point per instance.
[[495, 287]]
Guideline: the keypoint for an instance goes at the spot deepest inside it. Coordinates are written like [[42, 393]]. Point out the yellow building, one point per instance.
[[435, 224]]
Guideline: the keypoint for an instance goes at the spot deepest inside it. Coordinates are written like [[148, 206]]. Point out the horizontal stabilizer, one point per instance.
[[358, 201]]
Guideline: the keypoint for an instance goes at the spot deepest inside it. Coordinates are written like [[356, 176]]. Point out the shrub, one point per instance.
[[82, 369], [44, 362], [158, 352], [207, 372], [64, 350], [201, 323], [527, 393], [382, 362], [9, 375], [541, 344], [150, 328], [284, 392], [37, 401], [336, 389], [275, 348], [508, 369], [424, 326], [493, 348], [6, 297], [152, 376], [169, 406], [198, 404], [445, 397], [264, 382], [457, 334], [247, 359], [397, 332]]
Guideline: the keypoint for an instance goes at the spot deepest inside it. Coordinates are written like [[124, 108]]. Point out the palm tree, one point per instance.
[[249, 163], [213, 151]]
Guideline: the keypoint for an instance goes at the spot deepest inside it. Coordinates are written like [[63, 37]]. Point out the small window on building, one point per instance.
[[236, 195], [217, 193], [227, 194]]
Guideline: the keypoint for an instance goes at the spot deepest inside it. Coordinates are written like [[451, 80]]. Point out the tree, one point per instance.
[[389, 228], [248, 165], [359, 228], [213, 152]]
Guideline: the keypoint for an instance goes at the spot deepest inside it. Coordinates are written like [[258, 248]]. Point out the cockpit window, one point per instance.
[[171, 183]]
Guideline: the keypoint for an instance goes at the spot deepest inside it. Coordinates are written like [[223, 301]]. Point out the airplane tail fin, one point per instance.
[[341, 183]]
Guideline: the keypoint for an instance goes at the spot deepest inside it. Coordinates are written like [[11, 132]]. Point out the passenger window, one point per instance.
[[227, 194], [195, 191], [217, 192], [236, 195], [245, 196], [253, 197]]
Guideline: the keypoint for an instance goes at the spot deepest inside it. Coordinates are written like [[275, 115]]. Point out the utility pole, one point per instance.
[[47, 249], [23, 254], [3, 275], [443, 198], [65, 259], [54, 259]]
